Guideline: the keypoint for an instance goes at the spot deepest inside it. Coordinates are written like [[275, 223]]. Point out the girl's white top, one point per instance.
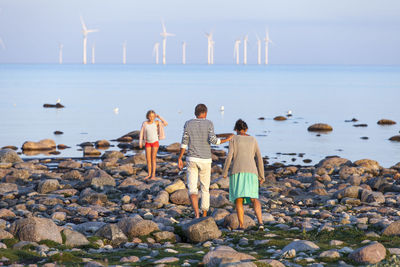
[[151, 132]]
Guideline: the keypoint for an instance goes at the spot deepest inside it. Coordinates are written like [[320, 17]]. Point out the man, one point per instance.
[[198, 135]]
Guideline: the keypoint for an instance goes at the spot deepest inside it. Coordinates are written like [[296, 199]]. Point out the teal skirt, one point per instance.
[[243, 185]]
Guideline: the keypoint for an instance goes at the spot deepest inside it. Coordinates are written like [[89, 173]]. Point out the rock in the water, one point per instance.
[[280, 118], [392, 229], [48, 185], [226, 256], [113, 233], [202, 229], [320, 127], [9, 156], [177, 185], [395, 138], [90, 151], [74, 239], [370, 254], [36, 229], [102, 144], [232, 221], [301, 245], [386, 122], [45, 144], [58, 105], [112, 155], [180, 197], [173, 148]]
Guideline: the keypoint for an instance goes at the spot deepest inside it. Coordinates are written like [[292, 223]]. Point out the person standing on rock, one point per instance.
[[198, 135], [151, 132], [246, 172]]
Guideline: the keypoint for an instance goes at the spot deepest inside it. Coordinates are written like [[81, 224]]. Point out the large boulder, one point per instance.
[[226, 256], [300, 245], [320, 127], [232, 221], [45, 144], [201, 229], [369, 196], [350, 191], [48, 185], [333, 163], [9, 156], [112, 155], [113, 233], [386, 122], [369, 254], [99, 178], [137, 226], [392, 229], [36, 229], [162, 197], [346, 172], [180, 197], [177, 185], [369, 165], [74, 239]]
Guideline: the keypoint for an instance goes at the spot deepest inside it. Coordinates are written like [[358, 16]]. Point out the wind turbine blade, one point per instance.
[[2, 44], [84, 28], [163, 26], [169, 34]]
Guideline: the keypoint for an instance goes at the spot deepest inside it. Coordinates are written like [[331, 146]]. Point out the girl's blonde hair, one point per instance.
[[149, 112]]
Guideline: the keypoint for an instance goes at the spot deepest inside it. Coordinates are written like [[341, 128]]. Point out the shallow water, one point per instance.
[[329, 94]]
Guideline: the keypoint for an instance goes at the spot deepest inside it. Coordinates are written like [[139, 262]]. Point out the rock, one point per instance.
[[9, 156], [72, 175], [6, 214], [334, 163], [225, 256], [223, 183], [6, 188], [130, 259], [162, 197], [139, 158], [176, 185], [88, 227], [219, 201], [232, 221], [136, 226], [165, 236], [69, 164], [350, 191], [74, 239], [88, 196], [330, 254], [395, 138], [36, 229], [113, 233], [392, 229], [5, 235], [180, 197], [166, 260], [45, 144], [271, 263], [48, 185], [320, 127], [58, 215], [280, 118], [17, 175], [201, 229], [58, 105], [62, 146], [346, 172], [102, 144], [112, 155], [369, 165], [386, 122], [370, 254], [99, 178], [173, 148], [369, 196], [301, 245], [90, 151]]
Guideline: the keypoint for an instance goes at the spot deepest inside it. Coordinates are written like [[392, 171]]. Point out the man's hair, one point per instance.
[[200, 108], [240, 125]]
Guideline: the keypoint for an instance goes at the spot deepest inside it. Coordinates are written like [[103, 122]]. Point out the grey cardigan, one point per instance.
[[244, 150]]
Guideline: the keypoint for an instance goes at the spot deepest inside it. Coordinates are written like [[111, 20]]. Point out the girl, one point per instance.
[[245, 175], [151, 132]]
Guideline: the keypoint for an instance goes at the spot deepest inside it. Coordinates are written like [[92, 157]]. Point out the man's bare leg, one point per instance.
[[195, 204]]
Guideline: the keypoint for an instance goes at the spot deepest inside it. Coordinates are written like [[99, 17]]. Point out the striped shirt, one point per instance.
[[198, 135]]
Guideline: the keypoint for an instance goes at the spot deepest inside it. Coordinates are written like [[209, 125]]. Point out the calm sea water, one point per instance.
[[329, 94]]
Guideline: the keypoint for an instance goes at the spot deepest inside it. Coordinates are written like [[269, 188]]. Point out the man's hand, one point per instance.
[[225, 176], [180, 163], [262, 181]]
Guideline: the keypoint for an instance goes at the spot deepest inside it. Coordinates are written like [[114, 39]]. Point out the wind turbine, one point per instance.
[[236, 51], [60, 53], [164, 35], [155, 51], [93, 53], [209, 46], [124, 52], [267, 42], [85, 32], [212, 51], [258, 50], [183, 52], [245, 39]]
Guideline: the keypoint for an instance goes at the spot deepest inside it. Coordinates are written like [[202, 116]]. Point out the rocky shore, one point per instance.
[[99, 211]]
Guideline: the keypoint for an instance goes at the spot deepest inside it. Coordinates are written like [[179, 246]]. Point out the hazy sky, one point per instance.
[[303, 31]]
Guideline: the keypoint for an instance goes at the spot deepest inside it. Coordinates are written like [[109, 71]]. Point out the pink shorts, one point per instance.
[[155, 144]]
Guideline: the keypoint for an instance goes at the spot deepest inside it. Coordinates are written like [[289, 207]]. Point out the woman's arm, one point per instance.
[[164, 122], [260, 162], [228, 159], [141, 136]]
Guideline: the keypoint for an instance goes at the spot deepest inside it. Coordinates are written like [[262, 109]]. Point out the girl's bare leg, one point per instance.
[[148, 159], [257, 209], [240, 211], [153, 161]]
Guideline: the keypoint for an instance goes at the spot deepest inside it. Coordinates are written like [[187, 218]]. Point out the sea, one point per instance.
[[108, 101]]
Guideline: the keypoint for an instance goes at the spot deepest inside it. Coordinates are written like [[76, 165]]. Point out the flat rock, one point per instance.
[[45, 144], [386, 122], [320, 127], [225, 256], [301, 245], [90, 151], [280, 118]]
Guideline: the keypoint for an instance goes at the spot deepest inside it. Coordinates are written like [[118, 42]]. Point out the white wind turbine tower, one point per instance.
[[267, 42], [93, 53], [236, 51], [209, 47], [212, 51], [164, 35], [124, 52], [258, 50], [60, 53], [245, 39], [155, 51], [183, 52], [85, 32]]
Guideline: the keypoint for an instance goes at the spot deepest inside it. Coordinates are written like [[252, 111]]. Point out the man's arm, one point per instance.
[[213, 139], [184, 144]]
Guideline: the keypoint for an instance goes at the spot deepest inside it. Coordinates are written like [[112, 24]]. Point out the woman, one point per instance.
[[151, 132], [245, 173]]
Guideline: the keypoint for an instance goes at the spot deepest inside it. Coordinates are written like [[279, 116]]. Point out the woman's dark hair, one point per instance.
[[200, 108], [149, 112], [240, 125]]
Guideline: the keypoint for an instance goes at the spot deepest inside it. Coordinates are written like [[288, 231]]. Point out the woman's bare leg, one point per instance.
[[257, 209], [148, 159], [154, 161], [240, 211]]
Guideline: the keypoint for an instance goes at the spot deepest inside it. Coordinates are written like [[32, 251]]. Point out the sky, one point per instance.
[[302, 31]]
